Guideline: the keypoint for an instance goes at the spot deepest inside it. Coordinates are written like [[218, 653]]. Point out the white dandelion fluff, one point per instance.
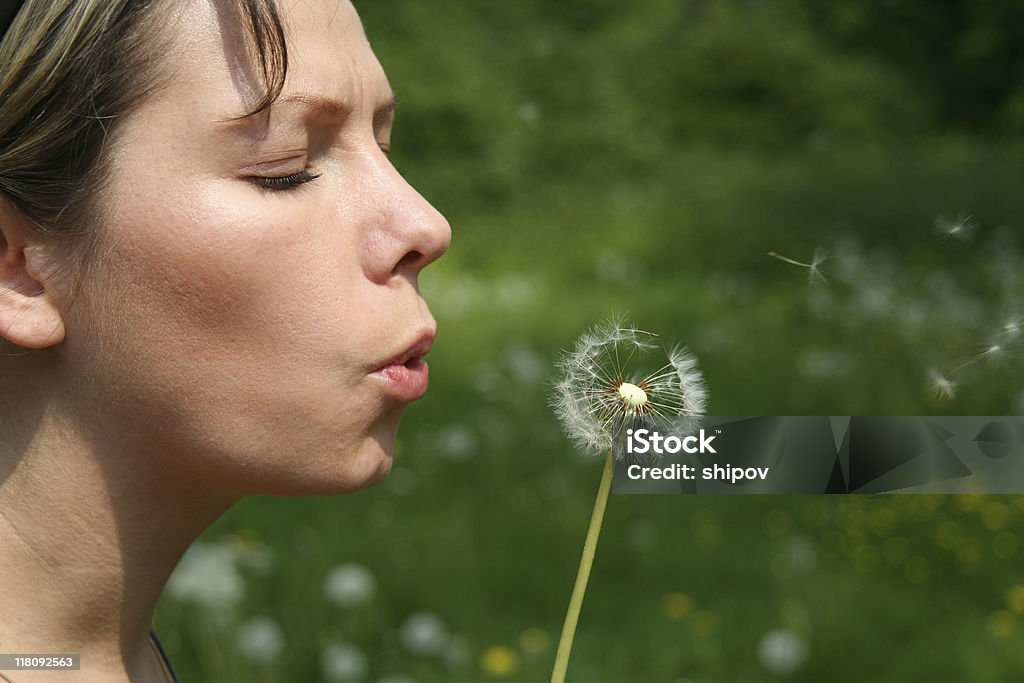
[[943, 387], [600, 390], [814, 274], [993, 353], [961, 227]]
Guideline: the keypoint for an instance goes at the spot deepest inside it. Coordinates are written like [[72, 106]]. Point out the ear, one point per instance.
[[29, 315]]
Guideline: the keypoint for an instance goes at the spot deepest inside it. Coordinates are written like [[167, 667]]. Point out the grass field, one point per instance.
[[471, 544]]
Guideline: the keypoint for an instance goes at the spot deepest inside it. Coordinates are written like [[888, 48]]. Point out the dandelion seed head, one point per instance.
[[601, 388]]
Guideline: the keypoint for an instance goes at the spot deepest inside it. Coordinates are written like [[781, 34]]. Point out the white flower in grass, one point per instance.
[[782, 651], [424, 633], [207, 576], [260, 640], [455, 442], [254, 556], [344, 662], [601, 393], [350, 585]]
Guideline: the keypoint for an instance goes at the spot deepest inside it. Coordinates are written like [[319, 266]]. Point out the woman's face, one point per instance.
[[255, 316]]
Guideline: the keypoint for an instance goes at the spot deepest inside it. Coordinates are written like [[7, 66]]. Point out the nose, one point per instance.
[[411, 235]]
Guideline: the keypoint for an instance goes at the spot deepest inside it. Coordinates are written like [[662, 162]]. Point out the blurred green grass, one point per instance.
[[577, 185]]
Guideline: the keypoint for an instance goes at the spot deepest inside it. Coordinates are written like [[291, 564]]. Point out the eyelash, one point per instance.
[[287, 182]]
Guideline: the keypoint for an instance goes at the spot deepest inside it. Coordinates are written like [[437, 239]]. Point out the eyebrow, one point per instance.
[[338, 109]]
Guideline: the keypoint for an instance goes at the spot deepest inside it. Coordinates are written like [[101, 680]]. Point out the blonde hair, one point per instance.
[[69, 71]]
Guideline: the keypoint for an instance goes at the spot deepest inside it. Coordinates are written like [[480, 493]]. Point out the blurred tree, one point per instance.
[[966, 56]]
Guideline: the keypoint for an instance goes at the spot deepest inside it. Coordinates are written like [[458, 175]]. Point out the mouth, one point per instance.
[[406, 375]]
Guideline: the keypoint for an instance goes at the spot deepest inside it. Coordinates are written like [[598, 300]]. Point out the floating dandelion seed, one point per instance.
[[994, 353], [961, 227], [599, 393], [942, 386], [814, 274]]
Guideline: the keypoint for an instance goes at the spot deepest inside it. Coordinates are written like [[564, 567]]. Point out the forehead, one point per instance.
[[328, 56]]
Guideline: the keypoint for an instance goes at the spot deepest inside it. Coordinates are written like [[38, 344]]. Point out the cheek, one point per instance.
[[231, 326], [235, 271]]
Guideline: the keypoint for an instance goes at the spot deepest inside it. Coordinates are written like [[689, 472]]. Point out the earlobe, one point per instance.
[[29, 315]]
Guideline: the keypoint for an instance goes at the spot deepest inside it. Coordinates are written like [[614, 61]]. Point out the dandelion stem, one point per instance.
[[788, 260], [583, 575]]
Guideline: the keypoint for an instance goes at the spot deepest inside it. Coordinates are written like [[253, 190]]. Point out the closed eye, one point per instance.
[[287, 182]]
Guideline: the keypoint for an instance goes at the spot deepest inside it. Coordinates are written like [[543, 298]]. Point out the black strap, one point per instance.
[[163, 654], [8, 10]]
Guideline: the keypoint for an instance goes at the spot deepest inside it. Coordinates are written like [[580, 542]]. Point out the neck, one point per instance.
[[90, 530]]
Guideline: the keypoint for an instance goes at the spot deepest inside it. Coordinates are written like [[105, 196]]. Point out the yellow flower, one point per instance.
[[499, 661], [1015, 598], [675, 606], [1002, 623], [704, 623]]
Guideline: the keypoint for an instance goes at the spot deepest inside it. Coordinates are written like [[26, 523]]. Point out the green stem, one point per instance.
[[589, 548]]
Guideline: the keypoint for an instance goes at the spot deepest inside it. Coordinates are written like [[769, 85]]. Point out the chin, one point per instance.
[[332, 473], [330, 469], [370, 467], [361, 468]]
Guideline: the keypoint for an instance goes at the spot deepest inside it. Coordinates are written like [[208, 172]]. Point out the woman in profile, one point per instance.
[[208, 289]]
